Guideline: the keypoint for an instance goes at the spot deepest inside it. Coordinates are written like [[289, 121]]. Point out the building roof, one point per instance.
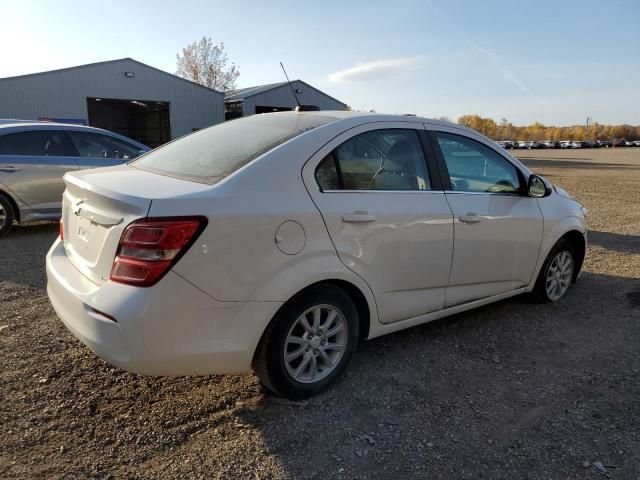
[[89, 65], [240, 94]]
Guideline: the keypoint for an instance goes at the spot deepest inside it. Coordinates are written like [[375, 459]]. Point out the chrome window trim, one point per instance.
[[382, 191], [484, 193], [458, 192]]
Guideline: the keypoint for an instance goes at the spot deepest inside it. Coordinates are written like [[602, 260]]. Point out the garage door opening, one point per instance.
[[143, 120], [262, 109]]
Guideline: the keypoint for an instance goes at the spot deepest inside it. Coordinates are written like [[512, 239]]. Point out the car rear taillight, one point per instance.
[[149, 247]]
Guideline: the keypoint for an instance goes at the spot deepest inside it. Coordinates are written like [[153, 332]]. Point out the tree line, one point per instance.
[[505, 130]]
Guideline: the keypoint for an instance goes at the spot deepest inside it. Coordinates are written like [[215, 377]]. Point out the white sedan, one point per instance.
[[276, 242]]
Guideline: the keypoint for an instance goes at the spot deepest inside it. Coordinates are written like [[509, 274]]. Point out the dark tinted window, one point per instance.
[[95, 145], [41, 143], [378, 160], [474, 167], [327, 174], [212, 154]]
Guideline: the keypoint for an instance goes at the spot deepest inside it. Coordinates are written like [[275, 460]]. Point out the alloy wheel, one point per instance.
[[315, 343], [559, 275]]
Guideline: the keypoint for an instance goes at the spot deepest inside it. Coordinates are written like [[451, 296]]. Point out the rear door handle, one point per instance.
[[358, 217], [471, 218], [9, 168]]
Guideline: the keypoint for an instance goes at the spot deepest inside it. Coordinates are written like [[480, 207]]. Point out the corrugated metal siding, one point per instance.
[[63, 94], [283, 97]]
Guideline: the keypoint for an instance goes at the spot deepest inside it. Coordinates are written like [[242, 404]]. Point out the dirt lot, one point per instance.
[[509, 391]]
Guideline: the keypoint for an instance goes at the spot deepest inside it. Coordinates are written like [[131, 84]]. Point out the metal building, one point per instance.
[[124, 96], [276, 97]]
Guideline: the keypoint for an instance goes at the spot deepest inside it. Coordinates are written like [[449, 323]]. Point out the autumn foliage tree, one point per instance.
[[205, 63], [537, 131]]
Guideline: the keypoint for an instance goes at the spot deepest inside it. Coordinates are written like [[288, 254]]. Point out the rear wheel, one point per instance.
[[308, 343], [7, 215], [556, 274]]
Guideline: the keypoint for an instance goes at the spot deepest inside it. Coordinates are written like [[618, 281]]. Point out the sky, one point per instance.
[[556, 62]]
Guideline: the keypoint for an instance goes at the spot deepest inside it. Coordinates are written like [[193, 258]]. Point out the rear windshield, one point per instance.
[[212, 154]]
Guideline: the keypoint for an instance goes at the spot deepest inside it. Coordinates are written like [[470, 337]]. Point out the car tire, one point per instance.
[[7, 215], [299, 354], [556, 274]]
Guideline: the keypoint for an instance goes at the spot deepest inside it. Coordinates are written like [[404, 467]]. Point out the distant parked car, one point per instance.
[[636, 143], [592, 144], [550, 144], [577, 144], [565, 144], [628, 143], [620, 142], [605, 143], [35, 155], [528, 144], [506, 144]]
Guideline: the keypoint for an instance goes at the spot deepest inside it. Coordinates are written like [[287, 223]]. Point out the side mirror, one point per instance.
[[537, 188]]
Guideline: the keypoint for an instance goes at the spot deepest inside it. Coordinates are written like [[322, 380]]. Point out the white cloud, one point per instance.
[[375, 69]]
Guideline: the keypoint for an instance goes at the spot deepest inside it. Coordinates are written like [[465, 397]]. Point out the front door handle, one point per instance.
[[9, 168], [358, 217], [471, 218]]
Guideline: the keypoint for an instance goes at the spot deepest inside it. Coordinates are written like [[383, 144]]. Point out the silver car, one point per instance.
[[35, 155]]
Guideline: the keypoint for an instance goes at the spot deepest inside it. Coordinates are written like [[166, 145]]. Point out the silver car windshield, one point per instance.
[[214, 153]]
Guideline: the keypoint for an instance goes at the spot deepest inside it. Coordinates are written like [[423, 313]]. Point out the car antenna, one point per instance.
[[289, 82], [299, 108]]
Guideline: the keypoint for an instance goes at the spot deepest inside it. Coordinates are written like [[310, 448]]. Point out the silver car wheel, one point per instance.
[[315, 343], [559, 275]]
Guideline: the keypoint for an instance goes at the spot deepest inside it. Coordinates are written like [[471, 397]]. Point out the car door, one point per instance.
[[386, 214], [99, 150], [32, 163], [497, 229]]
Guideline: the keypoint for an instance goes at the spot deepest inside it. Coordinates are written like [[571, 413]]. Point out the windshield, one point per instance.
[[214, 153]]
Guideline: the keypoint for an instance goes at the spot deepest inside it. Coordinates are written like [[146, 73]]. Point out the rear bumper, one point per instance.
[[172, 328]]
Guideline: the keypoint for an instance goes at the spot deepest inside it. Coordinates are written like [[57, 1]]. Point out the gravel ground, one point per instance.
[[509, 391]]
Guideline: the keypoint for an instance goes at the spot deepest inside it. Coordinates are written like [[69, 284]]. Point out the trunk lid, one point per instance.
[[98, 205]]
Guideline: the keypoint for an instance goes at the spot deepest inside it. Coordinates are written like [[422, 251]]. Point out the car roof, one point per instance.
[[20, 126], [37, 124], [370, 117]]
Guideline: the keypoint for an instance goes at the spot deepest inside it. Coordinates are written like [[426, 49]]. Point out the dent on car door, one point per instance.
[[32, 164], [98, 150], [387, 216], [497, 230]]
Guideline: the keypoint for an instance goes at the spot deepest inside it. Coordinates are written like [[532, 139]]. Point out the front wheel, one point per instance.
[[556, 274], [7, 215], [309, 343]]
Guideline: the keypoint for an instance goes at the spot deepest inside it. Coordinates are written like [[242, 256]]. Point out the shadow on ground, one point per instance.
[[615, 241]]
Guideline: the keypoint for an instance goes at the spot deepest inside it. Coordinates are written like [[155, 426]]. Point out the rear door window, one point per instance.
[[39, 143], [390, 159], [211, 154], [95, 145]]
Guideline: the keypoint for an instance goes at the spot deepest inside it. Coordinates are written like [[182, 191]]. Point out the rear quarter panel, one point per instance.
[[236, 258]]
